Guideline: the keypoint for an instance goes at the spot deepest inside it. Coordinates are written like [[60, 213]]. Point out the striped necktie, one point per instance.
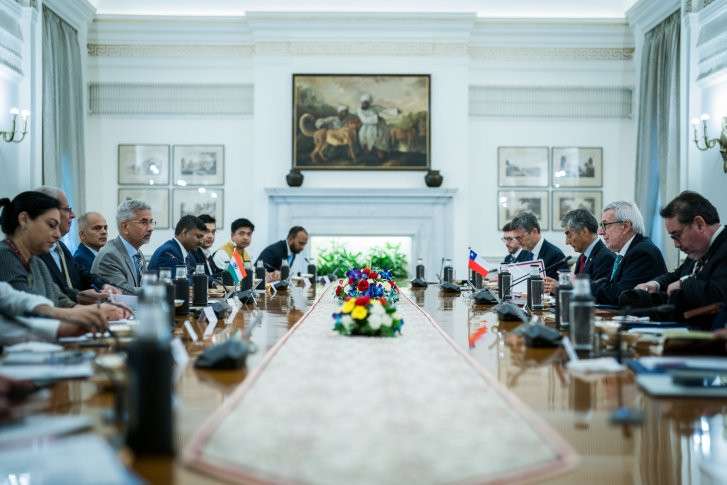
[[139, 263], [616, 262], [64, 267]]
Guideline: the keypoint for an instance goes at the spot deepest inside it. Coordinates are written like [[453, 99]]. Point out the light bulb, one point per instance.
[[15, 111], [25, 113], [695, 121], [705, 117]]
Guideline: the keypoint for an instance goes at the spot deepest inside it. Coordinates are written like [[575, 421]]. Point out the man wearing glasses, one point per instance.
[[515, 252], [526, 229], [637, 258], [120, 262], [693, 224]]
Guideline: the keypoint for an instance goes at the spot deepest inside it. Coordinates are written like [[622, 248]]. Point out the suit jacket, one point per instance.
[[521, 258], [273, 255], [599, 263], [169, 256], [80, 278], [209, 264], [114, 265], [84, 257], [550, 254], [642, 262], [706, 287]]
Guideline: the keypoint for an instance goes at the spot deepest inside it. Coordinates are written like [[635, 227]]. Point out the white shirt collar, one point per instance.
[[206, 252], [184, 251], [626, 246], [537, 248]]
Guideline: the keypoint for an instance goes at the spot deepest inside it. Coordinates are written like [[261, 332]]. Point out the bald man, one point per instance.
[[93, 232]]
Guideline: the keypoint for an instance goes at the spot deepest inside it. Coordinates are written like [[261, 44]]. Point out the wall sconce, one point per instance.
[[12, 134], [711, 143]]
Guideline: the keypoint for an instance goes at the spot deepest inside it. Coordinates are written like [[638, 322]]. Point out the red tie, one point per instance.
[[581, 263]]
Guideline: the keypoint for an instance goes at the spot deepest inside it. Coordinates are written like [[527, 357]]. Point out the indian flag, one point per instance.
[[236, 268]]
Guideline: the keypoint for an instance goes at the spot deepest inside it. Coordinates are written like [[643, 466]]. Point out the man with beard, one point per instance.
[[273, 255]]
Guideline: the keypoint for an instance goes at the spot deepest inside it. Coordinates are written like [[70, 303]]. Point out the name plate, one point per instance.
[[210, 316], [190, 330]]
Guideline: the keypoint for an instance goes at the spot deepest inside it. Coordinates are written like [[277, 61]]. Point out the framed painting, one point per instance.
[[577, 167], [143, 164], [565, 201], [199, 201], [522, 166], [513, 202], [158, 199], [199, 164], [361, 121]]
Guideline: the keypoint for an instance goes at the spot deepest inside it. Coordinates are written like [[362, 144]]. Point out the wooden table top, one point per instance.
[[678, 440]]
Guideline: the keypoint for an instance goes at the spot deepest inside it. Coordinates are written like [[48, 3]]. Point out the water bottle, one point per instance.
[[181, 290], [149, 388], [313, 271], [562, 300], [284, 270], [448, 272], [420, 269], [581, 314], [260, 270], [246, 283], [165, 278], [199, 285], [504, 284], [535, 288], [477, 280]]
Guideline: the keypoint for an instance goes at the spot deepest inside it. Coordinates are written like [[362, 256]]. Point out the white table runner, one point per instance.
[[328, 409]]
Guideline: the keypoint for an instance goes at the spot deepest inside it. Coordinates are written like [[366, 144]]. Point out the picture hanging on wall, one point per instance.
[[577, 167], [158, 199], [513, 202], [361, 122], [143, 164], [565, 201], [199, 201], [522, 166], [199, 165]]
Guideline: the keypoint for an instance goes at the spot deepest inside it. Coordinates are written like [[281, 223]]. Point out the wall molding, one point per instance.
[[552, 53], [170, 51], [107, 98], [550, 102]]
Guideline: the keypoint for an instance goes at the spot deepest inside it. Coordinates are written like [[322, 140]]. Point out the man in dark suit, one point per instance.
[[581, 233], [515, 252], [273, 255], [637, 258], [72, 279], [526, 228], [93, 233], [204, 253], [693, 224], [179, 251]]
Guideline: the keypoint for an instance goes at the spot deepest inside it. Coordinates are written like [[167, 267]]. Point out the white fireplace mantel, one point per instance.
[[425, 215]]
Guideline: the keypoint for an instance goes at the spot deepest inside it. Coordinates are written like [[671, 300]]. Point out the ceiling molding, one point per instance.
[[552, 33], [646, 14], [551, 53], [170, 51], [78, 13]]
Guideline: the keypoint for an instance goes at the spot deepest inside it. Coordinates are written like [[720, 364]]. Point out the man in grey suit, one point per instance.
[[120, 262]]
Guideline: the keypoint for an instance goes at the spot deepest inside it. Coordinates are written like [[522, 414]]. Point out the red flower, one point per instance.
[[350, 281], [382, 300], [363, 300], [338, 291], [347, 298], [373, 275], [366, 271], [363, 285]]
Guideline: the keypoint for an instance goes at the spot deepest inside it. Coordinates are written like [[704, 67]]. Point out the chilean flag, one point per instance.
[[478, 265]]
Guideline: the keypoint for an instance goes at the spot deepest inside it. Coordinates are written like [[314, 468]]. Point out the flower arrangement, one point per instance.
[[368, 282], [367, 316]]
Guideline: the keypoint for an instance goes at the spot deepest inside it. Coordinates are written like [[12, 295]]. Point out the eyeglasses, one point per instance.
[[509, 239], [144, 222], [677, 235], [604, 225], [68, 209]]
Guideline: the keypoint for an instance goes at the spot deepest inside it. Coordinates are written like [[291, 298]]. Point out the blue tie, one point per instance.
[[290, 259], [139, 263], [616, 262]]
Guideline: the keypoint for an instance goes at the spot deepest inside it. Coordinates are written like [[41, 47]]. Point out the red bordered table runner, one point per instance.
[[328, 409]]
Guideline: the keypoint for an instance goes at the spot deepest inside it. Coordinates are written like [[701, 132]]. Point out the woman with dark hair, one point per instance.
[[31, 223]]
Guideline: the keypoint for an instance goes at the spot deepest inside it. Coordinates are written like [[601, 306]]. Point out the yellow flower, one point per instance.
[[359, 313], [348, 306]]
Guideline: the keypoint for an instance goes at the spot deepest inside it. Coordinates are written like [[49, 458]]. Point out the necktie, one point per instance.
[[616, 262], [581, 263], [64, 268], [290, 259], [139, 263], [697, 267]]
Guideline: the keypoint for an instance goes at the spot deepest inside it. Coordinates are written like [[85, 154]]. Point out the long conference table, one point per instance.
[[679, 440]]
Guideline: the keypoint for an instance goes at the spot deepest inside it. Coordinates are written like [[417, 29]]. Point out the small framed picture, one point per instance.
[[565, 201], [523, 166], [197, 202], [143, 164], [199, 165], [513, 202], [577, 167], [158, 199]]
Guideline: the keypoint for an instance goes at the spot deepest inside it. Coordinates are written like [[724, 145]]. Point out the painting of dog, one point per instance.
[[324, 138]]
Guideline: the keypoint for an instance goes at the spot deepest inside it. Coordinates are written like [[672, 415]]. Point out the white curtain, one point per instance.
[[63, 140], [657, 153]]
